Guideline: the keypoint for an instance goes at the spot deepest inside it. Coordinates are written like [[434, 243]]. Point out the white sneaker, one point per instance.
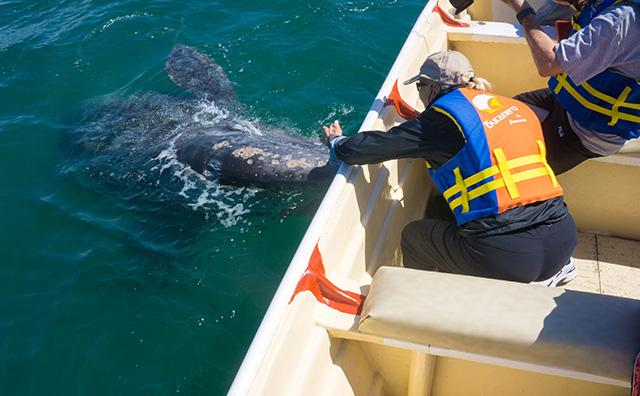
[[565, 275]]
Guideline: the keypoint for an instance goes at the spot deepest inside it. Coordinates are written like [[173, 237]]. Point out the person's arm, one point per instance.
[[541, 45], [606, 42], [370, 147]]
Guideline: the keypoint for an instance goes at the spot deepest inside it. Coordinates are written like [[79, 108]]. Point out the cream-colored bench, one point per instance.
[[574, 331]]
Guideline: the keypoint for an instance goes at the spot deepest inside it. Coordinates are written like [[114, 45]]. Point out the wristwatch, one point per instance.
[[525, 13]]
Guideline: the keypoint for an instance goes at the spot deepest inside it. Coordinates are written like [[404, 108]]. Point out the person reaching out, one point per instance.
[[486, 154]]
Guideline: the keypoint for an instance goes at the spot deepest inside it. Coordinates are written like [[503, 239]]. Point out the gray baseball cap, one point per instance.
[[445, 67]]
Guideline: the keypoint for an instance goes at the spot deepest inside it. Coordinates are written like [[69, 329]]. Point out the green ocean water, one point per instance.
[[120, 278]]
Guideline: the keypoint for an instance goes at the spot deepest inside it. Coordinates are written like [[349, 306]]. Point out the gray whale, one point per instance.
[[245, 152]]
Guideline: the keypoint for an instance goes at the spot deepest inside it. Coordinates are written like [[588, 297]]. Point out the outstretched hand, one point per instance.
[[331, 132]]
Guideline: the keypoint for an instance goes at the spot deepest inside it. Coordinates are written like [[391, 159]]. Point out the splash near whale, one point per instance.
[[241, 152]]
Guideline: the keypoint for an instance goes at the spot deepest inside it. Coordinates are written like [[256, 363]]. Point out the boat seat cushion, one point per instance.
[[585, 332]]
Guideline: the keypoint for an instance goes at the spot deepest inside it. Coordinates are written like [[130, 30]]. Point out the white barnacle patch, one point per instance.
[[300, 164], [247, 152], [224, 143], [249, 161], [275, 162]]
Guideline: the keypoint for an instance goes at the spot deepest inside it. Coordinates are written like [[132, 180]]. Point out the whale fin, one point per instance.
[[195, 72]]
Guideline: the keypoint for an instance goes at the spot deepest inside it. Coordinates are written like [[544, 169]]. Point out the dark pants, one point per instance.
[[564, 149], [534, 253]]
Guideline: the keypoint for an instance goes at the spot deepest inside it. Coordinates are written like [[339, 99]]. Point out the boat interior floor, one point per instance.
[[607, 265]]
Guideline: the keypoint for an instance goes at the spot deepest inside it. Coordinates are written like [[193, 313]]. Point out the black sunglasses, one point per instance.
[[421, 84]]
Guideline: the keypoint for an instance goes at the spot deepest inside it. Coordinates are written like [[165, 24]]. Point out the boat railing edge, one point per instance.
[[259, 346]]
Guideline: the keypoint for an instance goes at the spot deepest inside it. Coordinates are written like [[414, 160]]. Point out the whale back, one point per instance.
[[272, 160]]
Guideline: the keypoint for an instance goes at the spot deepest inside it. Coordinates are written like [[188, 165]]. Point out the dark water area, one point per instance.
[[121, 270]]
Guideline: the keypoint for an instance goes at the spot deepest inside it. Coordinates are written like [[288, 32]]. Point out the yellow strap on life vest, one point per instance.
[[619, 102], [508, 180], [616, 103], [464, 199], [505, 171], [543, 154]]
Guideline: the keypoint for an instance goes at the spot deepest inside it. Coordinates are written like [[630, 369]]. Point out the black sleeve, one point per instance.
[[432, 136]]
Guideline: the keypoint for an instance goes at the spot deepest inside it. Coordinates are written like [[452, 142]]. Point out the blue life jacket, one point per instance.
[[609, 102]]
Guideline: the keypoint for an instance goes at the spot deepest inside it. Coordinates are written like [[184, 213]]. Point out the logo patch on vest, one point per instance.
[[495, 120], [487, 103]]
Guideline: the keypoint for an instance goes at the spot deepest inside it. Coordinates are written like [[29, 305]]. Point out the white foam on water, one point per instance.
[[204, 194], [208, 114]]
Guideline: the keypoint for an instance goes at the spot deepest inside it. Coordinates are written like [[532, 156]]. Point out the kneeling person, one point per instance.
[[486, 155]]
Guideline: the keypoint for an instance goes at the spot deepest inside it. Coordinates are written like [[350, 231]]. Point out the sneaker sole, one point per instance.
[[568, 277]]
